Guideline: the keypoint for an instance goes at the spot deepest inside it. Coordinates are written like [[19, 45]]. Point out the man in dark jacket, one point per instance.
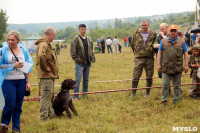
[[102, 44], [82, 53], [187, 36]]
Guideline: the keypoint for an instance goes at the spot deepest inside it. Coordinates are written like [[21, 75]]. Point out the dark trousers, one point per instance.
[[109, 47], [103, 49], [13, 91], [120, 48]]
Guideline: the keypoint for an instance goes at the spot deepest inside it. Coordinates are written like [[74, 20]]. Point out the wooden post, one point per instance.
[[190, 35], [39, 87]]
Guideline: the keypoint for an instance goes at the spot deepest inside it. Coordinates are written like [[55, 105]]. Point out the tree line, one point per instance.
[[122, 28], [3, 26], [116, 27]]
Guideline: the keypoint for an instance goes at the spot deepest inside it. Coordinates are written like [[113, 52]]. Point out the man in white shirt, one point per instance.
[[115, 45], [108, 43]]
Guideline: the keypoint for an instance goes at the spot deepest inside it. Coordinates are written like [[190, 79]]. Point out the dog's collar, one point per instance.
[[64, 90]]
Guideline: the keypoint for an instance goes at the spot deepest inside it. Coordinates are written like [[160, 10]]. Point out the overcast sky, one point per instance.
[[40, 11]]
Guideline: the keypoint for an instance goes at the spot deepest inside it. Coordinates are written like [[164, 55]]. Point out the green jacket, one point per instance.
[[172, 62], [137, 44], [78, 53], [193, 60], [46, 57], [57, 46]]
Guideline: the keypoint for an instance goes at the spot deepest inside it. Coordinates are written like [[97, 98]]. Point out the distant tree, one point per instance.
[[96, 26], [139, 20], [191, 17], [69, 30], [3, 23], [23, 31], [108, 25], [118, 23], [61, 34]]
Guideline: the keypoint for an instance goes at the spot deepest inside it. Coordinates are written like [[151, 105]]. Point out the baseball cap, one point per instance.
[[173, 26]]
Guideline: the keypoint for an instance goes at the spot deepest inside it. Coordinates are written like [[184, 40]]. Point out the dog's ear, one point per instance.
[[70, 83], [64, 84]]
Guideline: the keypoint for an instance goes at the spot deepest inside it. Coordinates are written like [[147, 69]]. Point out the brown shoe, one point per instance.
[[3, 128], [15, 131], [164, 102]]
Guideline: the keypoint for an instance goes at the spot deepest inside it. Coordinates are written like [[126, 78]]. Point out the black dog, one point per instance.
[[3, 128], [63, 100]]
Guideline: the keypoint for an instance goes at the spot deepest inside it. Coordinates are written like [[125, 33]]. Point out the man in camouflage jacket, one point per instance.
[[142, 46], [193, 64]]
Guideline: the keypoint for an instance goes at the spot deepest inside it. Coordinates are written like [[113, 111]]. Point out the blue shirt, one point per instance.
[[184, 45], [193, 37]]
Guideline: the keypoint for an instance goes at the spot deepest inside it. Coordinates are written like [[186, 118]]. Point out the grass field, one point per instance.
[[113, 112]]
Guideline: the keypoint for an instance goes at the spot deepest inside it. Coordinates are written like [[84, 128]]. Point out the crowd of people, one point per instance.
[[168, 46], [60, 47], [113, 45]]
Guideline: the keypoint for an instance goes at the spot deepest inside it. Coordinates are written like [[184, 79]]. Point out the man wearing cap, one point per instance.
[[82, 53], [172, 50], [142, 46]]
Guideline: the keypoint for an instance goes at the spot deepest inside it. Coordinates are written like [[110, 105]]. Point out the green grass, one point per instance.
[[113, 112]]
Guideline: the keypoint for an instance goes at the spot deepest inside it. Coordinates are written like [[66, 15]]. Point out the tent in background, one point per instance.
[[28, 43]]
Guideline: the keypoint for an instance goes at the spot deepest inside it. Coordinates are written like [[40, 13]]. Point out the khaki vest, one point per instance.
[[172, 62]]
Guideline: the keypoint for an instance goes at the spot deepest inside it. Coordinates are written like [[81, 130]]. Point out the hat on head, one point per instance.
[[171, 27], [196, 47]]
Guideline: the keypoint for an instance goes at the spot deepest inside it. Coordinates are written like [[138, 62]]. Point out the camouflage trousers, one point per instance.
[[195, 89], [139, 64]]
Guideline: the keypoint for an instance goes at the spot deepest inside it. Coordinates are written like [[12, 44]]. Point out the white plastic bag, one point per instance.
[[198, 73], [2, 100]]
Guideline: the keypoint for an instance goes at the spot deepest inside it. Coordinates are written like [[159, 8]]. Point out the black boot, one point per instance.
[[149, 84], [134, 85]]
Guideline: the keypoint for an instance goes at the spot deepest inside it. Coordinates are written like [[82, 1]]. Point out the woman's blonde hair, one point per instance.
[[14, 33]]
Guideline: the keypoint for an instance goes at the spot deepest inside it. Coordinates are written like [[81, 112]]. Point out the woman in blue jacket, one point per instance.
[[13, 82]]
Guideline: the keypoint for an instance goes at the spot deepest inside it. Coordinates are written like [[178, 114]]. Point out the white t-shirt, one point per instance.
[[115, 41], [108, 41], [15, 74]]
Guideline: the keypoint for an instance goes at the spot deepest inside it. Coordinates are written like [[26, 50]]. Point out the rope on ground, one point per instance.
[[107, 91], [110, 81]]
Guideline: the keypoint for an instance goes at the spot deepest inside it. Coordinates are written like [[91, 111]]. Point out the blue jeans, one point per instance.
[[125, 44], [81, 70], [13, 91], [109, 47]]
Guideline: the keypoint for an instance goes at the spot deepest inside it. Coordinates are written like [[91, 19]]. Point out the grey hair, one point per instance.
[[165, 24], [49, 30]]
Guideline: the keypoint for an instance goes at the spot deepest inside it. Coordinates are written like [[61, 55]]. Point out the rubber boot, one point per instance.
[[134, 85], [149, 84]]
